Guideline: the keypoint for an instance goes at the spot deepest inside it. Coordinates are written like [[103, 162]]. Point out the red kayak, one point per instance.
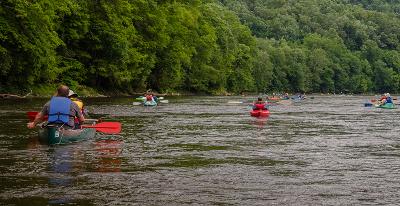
[[259, 113]]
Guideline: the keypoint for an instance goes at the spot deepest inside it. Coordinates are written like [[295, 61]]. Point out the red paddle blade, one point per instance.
[[106, 127], [32, 115]]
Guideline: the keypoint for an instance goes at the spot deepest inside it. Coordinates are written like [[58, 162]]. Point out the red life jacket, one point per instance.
[[260, 106], [149, 97]]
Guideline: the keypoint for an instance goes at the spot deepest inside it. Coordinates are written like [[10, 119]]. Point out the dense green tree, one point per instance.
[[28, 43], [201, 46]]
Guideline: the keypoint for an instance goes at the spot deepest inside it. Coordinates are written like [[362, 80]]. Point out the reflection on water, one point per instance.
[[260, 122], [329, 150], [62, 166], [108, 155]]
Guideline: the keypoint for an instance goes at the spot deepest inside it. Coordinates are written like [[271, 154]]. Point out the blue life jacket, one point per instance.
[[59, 110], [389, 100]]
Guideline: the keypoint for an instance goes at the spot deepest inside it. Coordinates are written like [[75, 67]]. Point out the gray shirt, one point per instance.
[[74, 111]]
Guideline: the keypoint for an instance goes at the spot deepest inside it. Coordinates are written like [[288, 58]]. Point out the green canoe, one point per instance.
[[386, 106], [55, 135]]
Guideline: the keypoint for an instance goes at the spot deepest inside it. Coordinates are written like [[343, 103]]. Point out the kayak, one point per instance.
[[273, 98], [150, 103], [386, 106], [52, 134], [259, 113], [147, 103]]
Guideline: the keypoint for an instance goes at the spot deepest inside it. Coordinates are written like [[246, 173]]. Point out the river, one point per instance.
[[326, 150]]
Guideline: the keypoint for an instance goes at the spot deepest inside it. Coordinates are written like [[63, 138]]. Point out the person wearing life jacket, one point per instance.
[[387, 99], [150, 97], [61, 111], [286, 96], [260, 104], [74, 97]]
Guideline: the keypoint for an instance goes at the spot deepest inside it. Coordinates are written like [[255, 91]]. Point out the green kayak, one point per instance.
[[386, 106], [55, 135], [150, 103]]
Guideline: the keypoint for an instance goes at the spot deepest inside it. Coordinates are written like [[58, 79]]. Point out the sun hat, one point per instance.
[[72, 94]]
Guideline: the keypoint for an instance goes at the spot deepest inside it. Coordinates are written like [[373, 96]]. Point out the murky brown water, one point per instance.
[[330, 150]]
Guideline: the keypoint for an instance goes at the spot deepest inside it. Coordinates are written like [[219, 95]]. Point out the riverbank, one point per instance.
[[85, 91]]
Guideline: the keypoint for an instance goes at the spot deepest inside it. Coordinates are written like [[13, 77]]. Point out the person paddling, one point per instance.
[[259, 101], [387, 99], [61, 111], [260, 104], [150, 97]]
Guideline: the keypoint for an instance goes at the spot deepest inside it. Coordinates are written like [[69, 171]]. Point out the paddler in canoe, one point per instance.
[[74, 98], [61, 111], [386, 101]]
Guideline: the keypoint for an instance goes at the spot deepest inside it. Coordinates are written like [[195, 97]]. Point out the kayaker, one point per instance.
[[260, 104], [383, 98], [286, 96], [61, 111], [387, 99], [149, 95], [259, 101]]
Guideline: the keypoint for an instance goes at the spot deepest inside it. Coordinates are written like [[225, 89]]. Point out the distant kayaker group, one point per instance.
[[65, 112]]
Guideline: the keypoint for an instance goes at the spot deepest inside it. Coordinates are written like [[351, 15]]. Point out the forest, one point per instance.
[[201, 46]]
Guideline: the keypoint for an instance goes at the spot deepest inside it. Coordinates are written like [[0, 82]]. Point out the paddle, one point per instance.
[[106, 127], [235, 102], [32, 115]]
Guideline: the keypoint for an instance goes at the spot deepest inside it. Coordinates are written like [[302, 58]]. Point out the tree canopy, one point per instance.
[[202, 46]]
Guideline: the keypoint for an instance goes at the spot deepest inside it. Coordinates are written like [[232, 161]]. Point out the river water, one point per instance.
[[328, 150]]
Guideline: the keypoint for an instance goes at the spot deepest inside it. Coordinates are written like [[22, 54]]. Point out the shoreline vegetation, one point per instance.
[[90, 92], [214, 47]]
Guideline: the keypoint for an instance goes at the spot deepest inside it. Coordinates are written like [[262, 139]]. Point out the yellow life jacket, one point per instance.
[[78, 102]]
